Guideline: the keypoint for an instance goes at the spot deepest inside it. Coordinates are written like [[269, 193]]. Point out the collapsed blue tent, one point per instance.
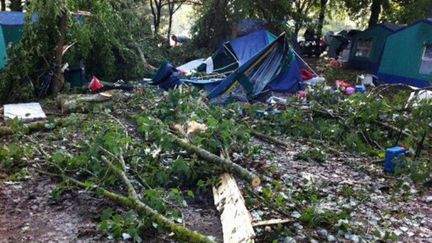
[[263, 64], [276, 68]]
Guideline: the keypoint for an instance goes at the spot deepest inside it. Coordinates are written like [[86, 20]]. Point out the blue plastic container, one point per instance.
[[360, 89], [391, 155]]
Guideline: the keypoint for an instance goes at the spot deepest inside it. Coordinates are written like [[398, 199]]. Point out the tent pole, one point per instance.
[[305, 62]]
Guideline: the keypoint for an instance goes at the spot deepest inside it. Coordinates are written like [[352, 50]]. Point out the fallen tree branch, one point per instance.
[[30, 127], [227, 165], [267, 138], [271, 222], [133, 202]]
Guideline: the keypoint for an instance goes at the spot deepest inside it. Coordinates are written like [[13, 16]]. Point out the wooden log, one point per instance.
[[271, 222], [30, 127], [236, 219], [227, 165], [73, 103]]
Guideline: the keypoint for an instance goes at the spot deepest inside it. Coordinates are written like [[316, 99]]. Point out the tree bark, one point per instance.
[[323, 8], [59, 78], [156, 9], [3, 5], [30, 127], [227, 165], [16, 5], [375, 12]]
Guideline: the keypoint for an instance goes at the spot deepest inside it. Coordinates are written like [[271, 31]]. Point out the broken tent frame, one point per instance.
[[274, 67]]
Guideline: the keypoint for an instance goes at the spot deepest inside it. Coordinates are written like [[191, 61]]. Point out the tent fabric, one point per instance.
[[247, 46], [404, 53], [275, 67], [236, 52], [12, 18], [12, 25], [3, 49], [188, 67], [167, 77], [337, 44], [374, 38]]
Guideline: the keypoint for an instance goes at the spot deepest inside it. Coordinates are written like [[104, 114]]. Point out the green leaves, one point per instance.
[[122, 227]]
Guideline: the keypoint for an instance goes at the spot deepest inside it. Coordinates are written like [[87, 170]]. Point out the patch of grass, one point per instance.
[[349, 192], [327, 219], [312, 155]]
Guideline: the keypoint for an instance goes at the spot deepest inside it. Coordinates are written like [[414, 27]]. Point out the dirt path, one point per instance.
[[29, 214]]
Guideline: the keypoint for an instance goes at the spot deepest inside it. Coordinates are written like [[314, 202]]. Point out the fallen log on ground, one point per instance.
[[71, 103], [30, 127], [267, 138], [227, 165], [235, 218]]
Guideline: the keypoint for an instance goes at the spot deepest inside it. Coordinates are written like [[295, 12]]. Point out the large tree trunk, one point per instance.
[[375, 12], [3, 5], [156, 9], [171, 10], [323, 8], [59, 78], [16, 5], [220, 25]]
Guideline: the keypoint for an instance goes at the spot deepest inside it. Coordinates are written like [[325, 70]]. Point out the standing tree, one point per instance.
[[322, 15], [16, 5], [361, 8]]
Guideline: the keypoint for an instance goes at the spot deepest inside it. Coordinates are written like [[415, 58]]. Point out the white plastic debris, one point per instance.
[[24, 111]]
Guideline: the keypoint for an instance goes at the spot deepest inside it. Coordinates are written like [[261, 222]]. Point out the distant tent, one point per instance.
[[367, 46], [337, 43], [12, 24], [407, 56], [275, 67], [346, 50]]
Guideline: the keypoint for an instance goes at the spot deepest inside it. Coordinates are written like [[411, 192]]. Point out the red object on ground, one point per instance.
[[336, 64], [306, 74], [343, 84], [302, 95], [95, 84]]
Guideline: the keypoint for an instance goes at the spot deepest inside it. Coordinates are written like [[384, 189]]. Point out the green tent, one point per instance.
[[367, 47], [337, 44], [2, 50], [407, 56], [11, 31]]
